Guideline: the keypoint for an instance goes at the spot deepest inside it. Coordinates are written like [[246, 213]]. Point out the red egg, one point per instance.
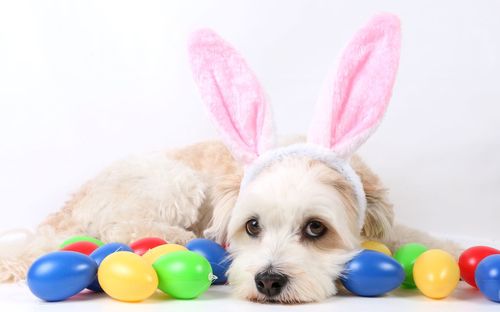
[[469, 260], [141, 246], [83, 247]]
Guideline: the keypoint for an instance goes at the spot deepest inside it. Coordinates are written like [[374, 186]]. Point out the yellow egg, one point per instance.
[[436, 273], [153, 254], [373, 245], [126, 276]]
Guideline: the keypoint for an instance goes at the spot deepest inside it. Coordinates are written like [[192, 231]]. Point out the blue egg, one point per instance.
[[102, 252], [488, 277], [61, 274], [372, 273], [215, 254]]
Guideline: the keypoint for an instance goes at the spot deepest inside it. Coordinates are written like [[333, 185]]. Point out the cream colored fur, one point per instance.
[[190, 192]]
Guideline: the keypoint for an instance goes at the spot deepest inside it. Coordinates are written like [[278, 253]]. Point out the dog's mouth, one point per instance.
[[292, 292], [286, 298], [292, 296], [275, 300]]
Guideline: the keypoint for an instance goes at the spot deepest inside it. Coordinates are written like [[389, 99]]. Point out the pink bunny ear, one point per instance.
[[356, 95], [233, 96]]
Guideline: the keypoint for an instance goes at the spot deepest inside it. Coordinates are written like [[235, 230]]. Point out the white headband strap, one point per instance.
[[314, 152]]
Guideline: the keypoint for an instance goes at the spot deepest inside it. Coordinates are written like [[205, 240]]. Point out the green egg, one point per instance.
[[406, 255], [183, 274], [80, 238]]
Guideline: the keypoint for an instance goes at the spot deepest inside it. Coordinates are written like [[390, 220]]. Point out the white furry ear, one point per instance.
[[224, 195], [379, 216]]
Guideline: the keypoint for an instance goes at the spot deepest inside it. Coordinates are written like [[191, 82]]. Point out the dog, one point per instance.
[[292, 211]]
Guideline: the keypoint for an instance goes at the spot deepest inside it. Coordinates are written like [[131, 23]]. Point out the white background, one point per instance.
[[85, 83]]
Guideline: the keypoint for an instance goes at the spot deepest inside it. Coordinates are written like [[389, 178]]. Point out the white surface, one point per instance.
[[83, 83], [217, 299]]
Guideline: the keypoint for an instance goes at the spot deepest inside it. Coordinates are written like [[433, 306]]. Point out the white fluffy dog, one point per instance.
[[292, 215]]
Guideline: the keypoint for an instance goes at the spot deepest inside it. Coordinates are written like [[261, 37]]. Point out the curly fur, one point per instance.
[[189, 192]]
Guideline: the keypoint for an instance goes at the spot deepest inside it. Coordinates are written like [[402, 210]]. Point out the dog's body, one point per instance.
[[292, 213], [186, 193]]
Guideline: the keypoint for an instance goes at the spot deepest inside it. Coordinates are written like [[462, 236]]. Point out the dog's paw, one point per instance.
[[177, 235], [127, 232]]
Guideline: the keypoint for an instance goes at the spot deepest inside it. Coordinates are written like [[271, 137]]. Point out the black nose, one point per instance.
[[270, 284]]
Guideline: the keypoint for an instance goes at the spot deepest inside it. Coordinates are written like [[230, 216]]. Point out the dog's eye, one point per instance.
[[314, 229], [253, 227]]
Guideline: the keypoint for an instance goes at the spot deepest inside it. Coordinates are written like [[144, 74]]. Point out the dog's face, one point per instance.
[[291, 231]]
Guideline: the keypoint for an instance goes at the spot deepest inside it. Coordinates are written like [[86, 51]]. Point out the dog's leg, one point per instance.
[[138, 197], [128, 232], [154, 196], [403, 235]]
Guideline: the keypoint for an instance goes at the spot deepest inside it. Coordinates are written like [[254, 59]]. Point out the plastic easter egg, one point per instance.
[[80, 238], [83, 247], [141, 246], [436, 273], [125, 276], [61, 274], [215, 254], [105, 250], [372, 273], [469, 260], [376, 246], [183, 274], [406, 255], [153, 254], [100, 254], [487, 277]]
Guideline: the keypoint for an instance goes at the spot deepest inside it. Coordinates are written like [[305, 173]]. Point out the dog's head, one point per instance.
[[297, 217], [291, 232]]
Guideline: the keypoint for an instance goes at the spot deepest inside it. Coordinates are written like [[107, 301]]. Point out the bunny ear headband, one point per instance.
[[350, 106]]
